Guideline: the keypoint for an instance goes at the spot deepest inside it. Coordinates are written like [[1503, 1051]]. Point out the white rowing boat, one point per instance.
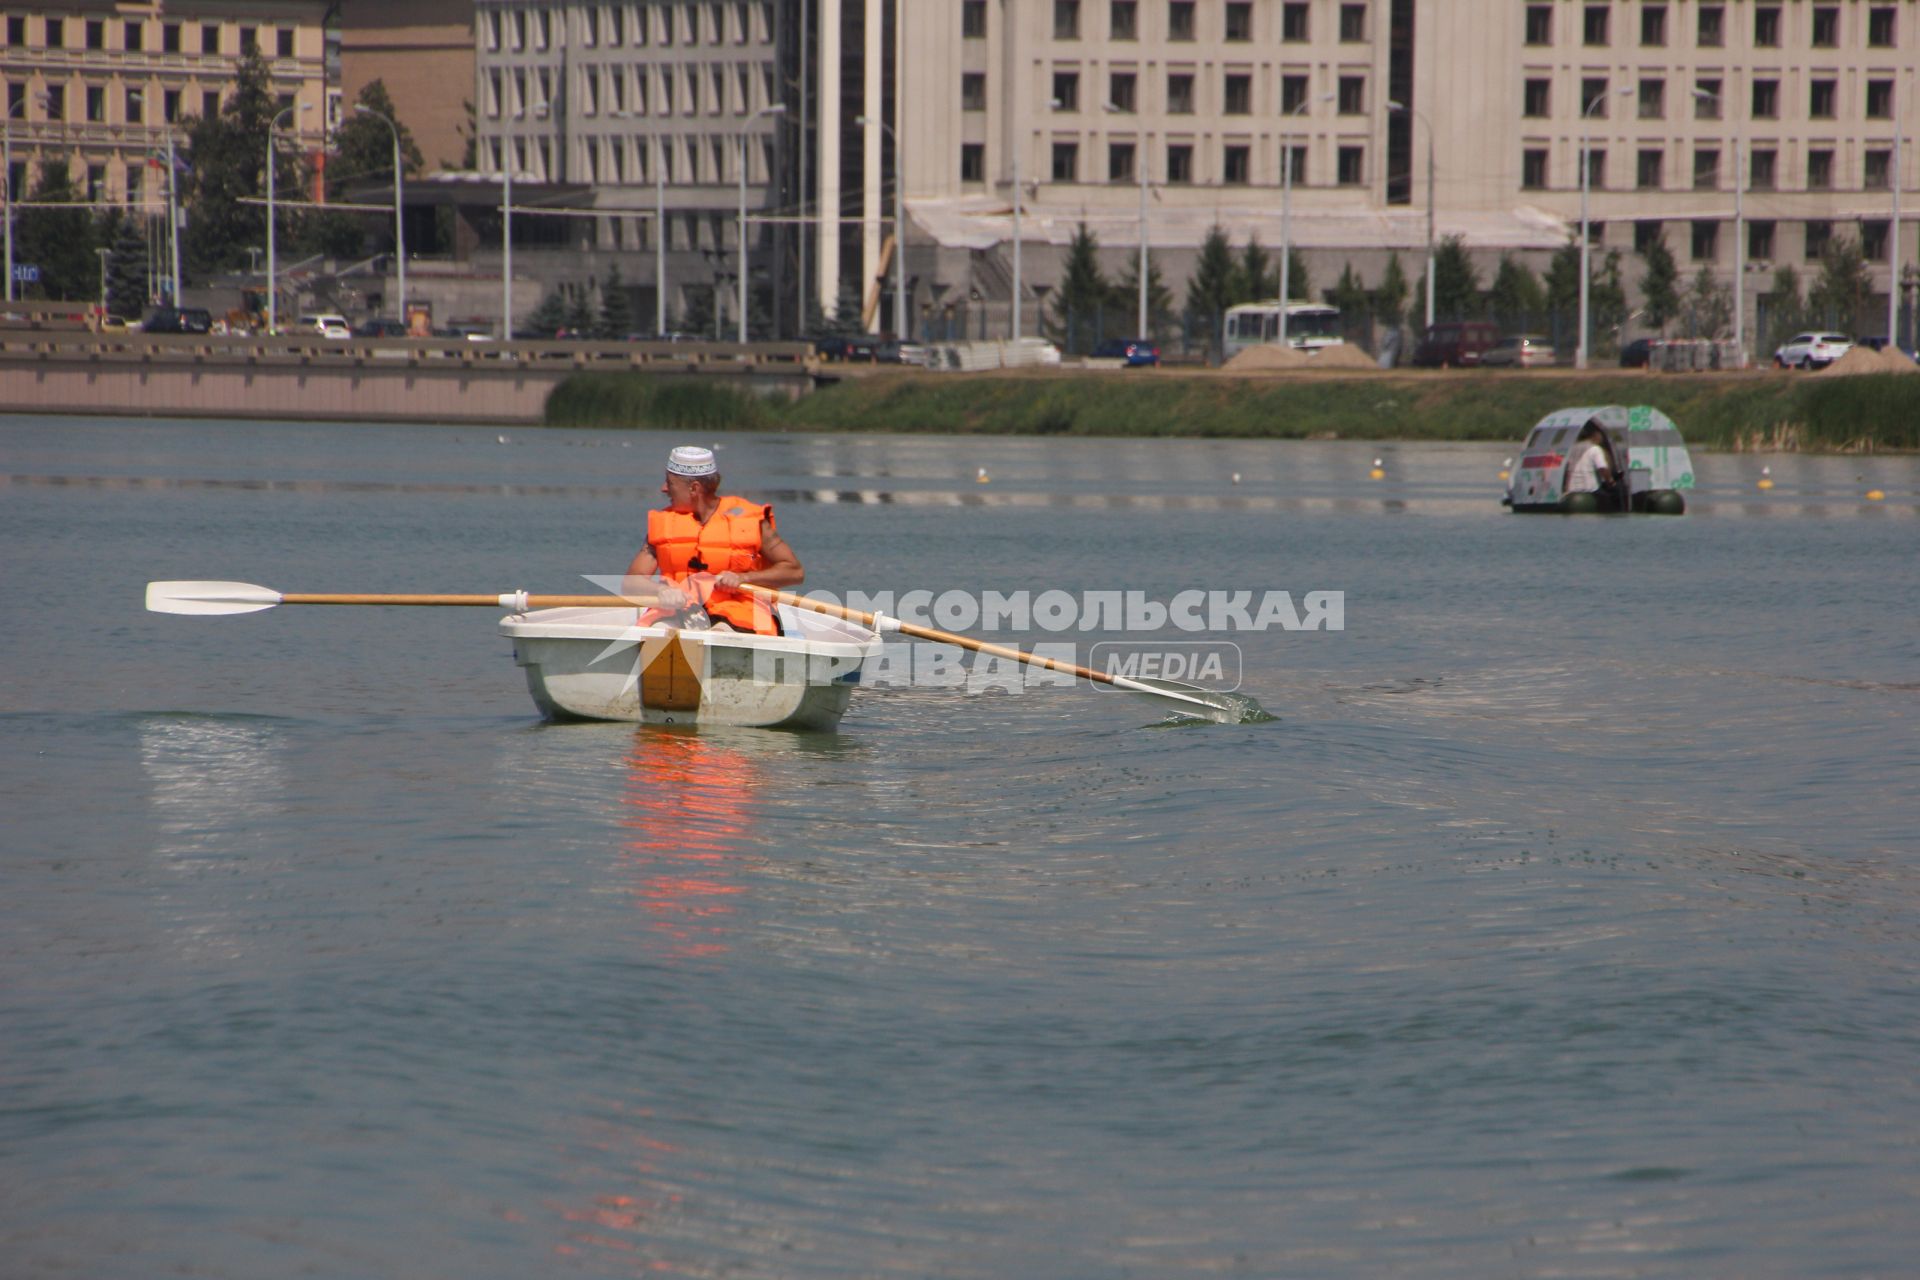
[[596, 664]]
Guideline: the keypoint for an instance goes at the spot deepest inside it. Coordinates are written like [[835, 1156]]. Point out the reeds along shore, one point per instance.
[[1751, 411]]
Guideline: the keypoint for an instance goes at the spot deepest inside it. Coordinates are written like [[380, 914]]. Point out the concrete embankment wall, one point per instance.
[[374, 381]]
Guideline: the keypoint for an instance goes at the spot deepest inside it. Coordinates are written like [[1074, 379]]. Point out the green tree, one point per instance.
[[58, 241], [1083, 291], [1210, 287], [1708, 306], [1563, 279], [1516, 299], [1124, 300], [616, 308], [362, 154], [1351, 296], [1456, 281], [1659, 285], [1840, 292], [1785, 312], [1299, 282], [1255, 280], [1390, 296], [580, 313], [546, 319], [225, 159], [127, 270], [1607, 305]]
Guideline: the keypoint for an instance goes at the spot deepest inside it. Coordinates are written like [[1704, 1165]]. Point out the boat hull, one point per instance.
[[597, 664]]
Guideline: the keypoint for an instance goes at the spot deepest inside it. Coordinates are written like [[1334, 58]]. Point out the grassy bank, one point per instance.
[[1779, 411]]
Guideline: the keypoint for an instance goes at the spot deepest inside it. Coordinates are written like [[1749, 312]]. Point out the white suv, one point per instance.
[[1812, 350], [326, 325]]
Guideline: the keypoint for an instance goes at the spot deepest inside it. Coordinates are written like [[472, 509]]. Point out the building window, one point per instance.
[[209, 37], [1120, 91], [1538, 98], [973, 91], [1120, 157], [1293, 94], [1706, 168], [1124, 20], [1646, 235], [170, 106], [1539, 24], [135, 36], [1293, 22], [170, 37], [1066, 91], [1596, 25], [1880, 29], [1826, 26], [1237, 165], [1647, 173], [1820, 169], [973, 20], [1179, 163], [1712, 30], [283, 42], [1879, 99], [1298, 155], [1819, 236], [1766, 26], [1352, 166], [1706, 240], [1066, 162], [134, 107], [973, 162], [16, 31], [1597, 168], [1179, 94], [1180, 20], [1873, 240], [1066, 19], [1766, 99], [1879, 170], [1653, 26], [1706, 99], [1653, 98], [1533, 168], [1353, 23], [1595, 102], [1760, 241], [1820, 99], [56, 33], [55, 102], [1239, 96], [1239, 22], [96, 104], [1353, 95], [1763, 169], [96, 34]]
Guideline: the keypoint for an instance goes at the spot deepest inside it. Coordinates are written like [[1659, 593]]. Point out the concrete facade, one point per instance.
[[422, 51]]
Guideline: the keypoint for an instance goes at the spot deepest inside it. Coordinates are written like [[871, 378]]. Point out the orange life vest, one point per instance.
[[728, 542]]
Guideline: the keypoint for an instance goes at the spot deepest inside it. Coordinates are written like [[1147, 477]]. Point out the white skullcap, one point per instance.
[[692, 460]]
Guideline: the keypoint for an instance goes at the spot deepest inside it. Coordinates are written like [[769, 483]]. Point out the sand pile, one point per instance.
[[1273, 356], [1867, 360]]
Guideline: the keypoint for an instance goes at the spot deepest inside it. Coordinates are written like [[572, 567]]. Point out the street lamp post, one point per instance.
[[1140, 171], [1586, 247], [104, 255], [1398, 106], [773, 110], [273, 286], [1286, 217], [1893, 249], [399, 206], [899, 228]]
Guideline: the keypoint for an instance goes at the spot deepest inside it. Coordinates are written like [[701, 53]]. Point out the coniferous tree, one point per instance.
[[58, 241], [1255, 279], [1083, 291], [1210, 287], [127, 270], [1299, 282], [580, 315], [1390, 297], [616, 309], [1786, 313], [1126, 300], [547, 318], [1350, 295], [1456, 281], [1515, 299], [1841, 290], [1607, 304], [1660, 285], [1708, 306]]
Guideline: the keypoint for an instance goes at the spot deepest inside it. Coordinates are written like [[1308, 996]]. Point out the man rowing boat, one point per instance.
[[704, 545]]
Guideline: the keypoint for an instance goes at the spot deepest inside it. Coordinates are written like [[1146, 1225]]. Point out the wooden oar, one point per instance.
[[244, 597], [1227, 708]]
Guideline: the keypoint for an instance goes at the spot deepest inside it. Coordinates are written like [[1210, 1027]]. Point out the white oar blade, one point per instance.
[[209, 597], [1192, 700]]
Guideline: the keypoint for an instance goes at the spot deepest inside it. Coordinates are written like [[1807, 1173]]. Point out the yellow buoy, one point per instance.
[[1875, 495], [1766, 477], [1378, 472], [981, 477], [1506, 466]]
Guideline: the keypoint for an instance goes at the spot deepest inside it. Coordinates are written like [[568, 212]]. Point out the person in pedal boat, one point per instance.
[[705, 544]]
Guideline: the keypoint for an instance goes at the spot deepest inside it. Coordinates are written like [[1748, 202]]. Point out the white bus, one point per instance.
[[1310, 326]]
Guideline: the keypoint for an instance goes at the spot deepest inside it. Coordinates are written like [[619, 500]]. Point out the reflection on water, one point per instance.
[[689, 802]]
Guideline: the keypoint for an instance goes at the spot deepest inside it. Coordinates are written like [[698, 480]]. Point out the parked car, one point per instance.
[[1455, 344], [846, 347], [1637, 354], [1133, 351], [177, 320], [1518, 351], [891, 352], [1811, 350], [326, 324], [382, 327]]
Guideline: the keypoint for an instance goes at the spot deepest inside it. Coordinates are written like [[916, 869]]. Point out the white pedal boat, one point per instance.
[[596, 664]]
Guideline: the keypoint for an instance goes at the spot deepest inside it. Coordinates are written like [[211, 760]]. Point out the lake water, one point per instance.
[[1566, 923]]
